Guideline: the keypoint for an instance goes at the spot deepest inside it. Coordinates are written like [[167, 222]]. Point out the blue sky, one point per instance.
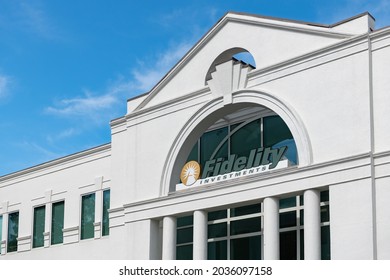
[[68, 67]]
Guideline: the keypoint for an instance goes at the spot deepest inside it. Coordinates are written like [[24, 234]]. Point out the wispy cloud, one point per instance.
[[4, 85], [31, 17], [64, 134], [146, 76], [101, 106], [33, 148], [90, 106]]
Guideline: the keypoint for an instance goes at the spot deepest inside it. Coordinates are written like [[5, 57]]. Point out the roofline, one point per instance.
[[301, 21], [56, 161], [138, 96], [172, 69]]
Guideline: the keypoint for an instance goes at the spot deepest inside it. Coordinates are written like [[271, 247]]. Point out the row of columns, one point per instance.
[[312, 233]]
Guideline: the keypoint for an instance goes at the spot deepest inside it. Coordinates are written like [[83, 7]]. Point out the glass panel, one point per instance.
[[277, 134], [245, 210], [301, 217], [325, 243], [106, 206], [217, 230], [324, 213], [324, 196], [217, 250], [248, 248], [288, 202], [194, 153], [1, 228], [39, 226], [185, 221], [87, 216], [217, 215], [245, 226], [288, 219], [13, 231], [288, 245], [184, 252], [245, 139], [209, 142], [57, 222], [184, 235], [302, 244]]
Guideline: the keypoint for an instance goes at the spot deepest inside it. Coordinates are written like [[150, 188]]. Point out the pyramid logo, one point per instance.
[[190, 173]]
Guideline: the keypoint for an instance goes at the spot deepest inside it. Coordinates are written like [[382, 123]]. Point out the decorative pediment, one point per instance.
[[269, 40], [227, 78]]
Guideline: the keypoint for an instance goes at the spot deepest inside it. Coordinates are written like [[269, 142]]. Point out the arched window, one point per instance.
[[244, 135]]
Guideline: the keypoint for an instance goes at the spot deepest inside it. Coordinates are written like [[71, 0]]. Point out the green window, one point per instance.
[[247, 248], [235, 233], [217, 250], [184, 238], [87, 216], [240, 139], [209, 142], [13, 231], [245, 138], [106, 206], [38, 226], [291, 224], [57, 222], [277, 134]]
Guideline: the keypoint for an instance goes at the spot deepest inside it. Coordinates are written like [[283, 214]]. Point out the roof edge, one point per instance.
[[51, 163]]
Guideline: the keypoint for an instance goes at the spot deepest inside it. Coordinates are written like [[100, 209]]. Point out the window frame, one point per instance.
[[81, 216], [51, 223], [34, 237]]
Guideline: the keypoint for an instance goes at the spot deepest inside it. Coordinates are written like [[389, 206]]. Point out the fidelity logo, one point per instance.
[[190, 173], [259, 160]]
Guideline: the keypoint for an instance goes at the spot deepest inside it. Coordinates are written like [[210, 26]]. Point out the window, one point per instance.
[[240, 138], [87, 216], [38, 226], [184, 238], [291, 227], [106, 206], [13, 232], [235, 234], [57, 222]]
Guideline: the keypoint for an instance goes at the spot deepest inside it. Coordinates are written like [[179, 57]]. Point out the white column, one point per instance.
[[312, 225], [48, 213], [169, 238], [98, 214], [271, 228], [47, 232], [200, 235]]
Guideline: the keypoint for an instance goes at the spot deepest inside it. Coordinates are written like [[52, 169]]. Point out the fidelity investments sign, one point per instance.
[[218, 170]]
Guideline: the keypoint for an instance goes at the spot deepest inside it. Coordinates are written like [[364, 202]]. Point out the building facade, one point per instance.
[[285, 157]]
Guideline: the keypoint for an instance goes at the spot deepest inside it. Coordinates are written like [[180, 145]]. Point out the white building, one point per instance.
[[294, 152]]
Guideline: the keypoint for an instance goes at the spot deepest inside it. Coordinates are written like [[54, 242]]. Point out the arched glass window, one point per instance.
[[245, 139]]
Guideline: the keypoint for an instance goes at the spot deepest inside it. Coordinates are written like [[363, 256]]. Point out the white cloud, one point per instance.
[[103, 106], [31, 17], [66, 133], [98, 107], [44, 153], [4, 85], [145, 77]]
